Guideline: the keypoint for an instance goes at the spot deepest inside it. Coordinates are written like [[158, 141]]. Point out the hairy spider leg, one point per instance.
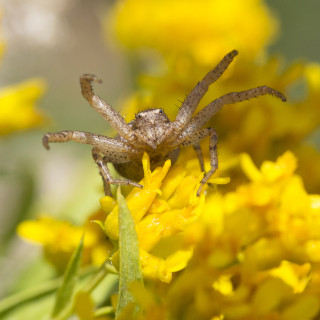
[[193, 134], [198, 151], [117, 150], [114, 151], [191, 102], [195, 139], [115, 120], [106, 174], [203, 116]]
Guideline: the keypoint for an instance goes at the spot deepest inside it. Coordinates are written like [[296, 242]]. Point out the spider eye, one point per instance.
[[139, 116], [160, 111]]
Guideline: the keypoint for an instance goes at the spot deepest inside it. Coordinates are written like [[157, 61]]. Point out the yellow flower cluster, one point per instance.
[[161, 211], [251, 253], [17, 106], [204, 31], [256, 254], [60, 239], [17, 103], [249, 250]]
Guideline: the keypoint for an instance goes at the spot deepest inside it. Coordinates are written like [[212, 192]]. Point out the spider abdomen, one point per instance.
[[133, 169]]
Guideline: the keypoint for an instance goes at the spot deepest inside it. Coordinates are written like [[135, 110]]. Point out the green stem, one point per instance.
[[35, 292], [104, 270]]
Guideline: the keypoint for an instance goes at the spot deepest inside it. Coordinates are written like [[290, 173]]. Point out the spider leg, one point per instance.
[[108, 113], [198, 151], [203, 116], [106, 174], [191, 102], [194, 139], [105, 144], [114, 150]]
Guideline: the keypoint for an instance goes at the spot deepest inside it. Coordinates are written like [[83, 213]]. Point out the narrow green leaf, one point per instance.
[[129, 264], [34, 293], [104, 311], [64, 300]]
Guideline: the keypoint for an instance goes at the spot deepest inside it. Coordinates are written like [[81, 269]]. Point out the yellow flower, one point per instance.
[[60, 239], [296, 276], [203, 31], [251, 253], [258, 249], [162, 211], [17, 106], [17, 103]]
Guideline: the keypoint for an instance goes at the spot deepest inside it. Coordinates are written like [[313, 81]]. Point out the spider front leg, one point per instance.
[[194, 139], [105, 144], [114, 151], [106, 174], [115, 120]]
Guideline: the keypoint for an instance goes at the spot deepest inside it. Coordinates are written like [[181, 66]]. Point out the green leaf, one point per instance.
[[129, 264], [65, 295], [24, 187]]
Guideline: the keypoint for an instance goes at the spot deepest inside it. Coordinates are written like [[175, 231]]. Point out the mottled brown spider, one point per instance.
[[153, 132]]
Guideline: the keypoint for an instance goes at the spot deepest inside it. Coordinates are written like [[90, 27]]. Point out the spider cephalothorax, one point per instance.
[[152, 125], [153, 132]]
